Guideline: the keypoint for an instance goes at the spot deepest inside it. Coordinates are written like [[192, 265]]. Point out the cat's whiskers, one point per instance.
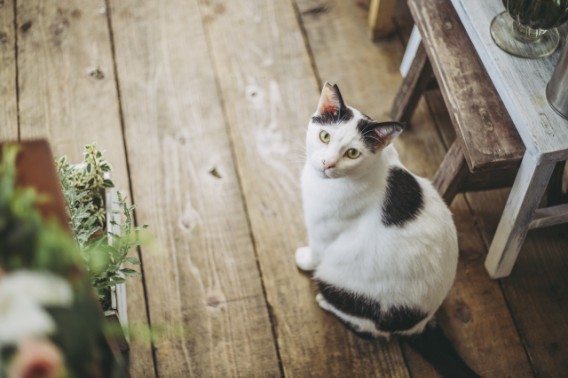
[[297, 154]]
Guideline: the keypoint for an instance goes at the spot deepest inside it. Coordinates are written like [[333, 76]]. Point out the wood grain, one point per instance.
[[339, 30], [526, 193], [66, 80], [452, 173], [204, 289], [67, 94], [8, 94], [488, 134], [537, 292], [520, 82], [536, 288]]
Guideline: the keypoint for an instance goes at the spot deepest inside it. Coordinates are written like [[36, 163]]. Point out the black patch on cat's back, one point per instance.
[[403, 199], [327, 118], [395, 319]]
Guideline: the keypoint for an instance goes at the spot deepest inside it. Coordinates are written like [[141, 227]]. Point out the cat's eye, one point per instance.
[[353, 153], [325, 137]]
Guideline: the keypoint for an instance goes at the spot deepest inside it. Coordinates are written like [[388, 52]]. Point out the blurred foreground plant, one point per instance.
[[50, 324]]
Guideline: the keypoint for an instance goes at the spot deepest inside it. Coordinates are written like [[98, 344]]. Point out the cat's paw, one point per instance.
[[305, 259]]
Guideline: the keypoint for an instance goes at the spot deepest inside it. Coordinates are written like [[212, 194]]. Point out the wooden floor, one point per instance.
[[201, 106]]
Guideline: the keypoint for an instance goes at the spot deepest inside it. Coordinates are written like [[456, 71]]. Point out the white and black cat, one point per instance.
[[382, 242]]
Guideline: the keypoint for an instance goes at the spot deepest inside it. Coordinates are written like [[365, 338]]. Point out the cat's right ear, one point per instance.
[[330, 102], [383, 133]]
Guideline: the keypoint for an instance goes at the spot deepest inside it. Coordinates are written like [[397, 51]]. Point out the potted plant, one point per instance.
[[50, 322], [103, 226]]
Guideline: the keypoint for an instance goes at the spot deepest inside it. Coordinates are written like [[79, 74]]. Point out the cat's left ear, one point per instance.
[[385, 132], [330, 102]]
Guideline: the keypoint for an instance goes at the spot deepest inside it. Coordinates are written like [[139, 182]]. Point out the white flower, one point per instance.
[[42, 287], [22, 295], [22, 318]]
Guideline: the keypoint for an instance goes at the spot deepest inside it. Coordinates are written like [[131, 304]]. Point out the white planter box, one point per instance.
[[118, 311]]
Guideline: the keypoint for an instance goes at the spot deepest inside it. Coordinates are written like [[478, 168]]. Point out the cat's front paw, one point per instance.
[[305, 259]]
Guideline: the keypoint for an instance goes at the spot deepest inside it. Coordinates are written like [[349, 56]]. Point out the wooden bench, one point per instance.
[[487, 150]]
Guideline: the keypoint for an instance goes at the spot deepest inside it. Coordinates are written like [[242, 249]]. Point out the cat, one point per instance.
[[383, 246]]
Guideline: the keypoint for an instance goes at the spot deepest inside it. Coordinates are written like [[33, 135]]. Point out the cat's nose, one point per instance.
[[328, 165]]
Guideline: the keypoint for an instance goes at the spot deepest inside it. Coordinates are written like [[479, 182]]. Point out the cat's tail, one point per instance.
[[435, 347]]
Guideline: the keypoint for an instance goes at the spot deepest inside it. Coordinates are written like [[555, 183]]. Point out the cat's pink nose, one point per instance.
[[328, 165]]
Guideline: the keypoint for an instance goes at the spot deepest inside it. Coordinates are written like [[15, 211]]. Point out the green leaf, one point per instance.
[[132, 260], [129, 272]]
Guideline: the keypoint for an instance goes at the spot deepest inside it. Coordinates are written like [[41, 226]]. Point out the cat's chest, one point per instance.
[[332, 211]]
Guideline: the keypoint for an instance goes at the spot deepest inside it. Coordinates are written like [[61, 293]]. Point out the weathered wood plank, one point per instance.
[[204, 287], [536, 289], [521, 83], [8, 94], [475, 315], [451, 173], [66, 81], [339, 29], [269, 91], [488, 134], [526, 193], [537, 292], [68, 94]]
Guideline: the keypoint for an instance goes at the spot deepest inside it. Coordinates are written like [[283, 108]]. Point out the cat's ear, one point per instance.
[[385, 132], [330, 102]]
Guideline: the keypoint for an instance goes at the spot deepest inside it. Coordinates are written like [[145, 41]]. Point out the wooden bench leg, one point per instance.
[[526, 193], [451, 173], [380, 18], [412, 86]]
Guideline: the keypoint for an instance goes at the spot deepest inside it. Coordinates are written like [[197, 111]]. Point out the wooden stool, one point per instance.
[[487, 151]]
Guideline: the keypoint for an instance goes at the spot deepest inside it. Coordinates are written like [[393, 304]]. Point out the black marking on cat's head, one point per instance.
[[378, 135], [403, 199], [395, 319], [331, 108]]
